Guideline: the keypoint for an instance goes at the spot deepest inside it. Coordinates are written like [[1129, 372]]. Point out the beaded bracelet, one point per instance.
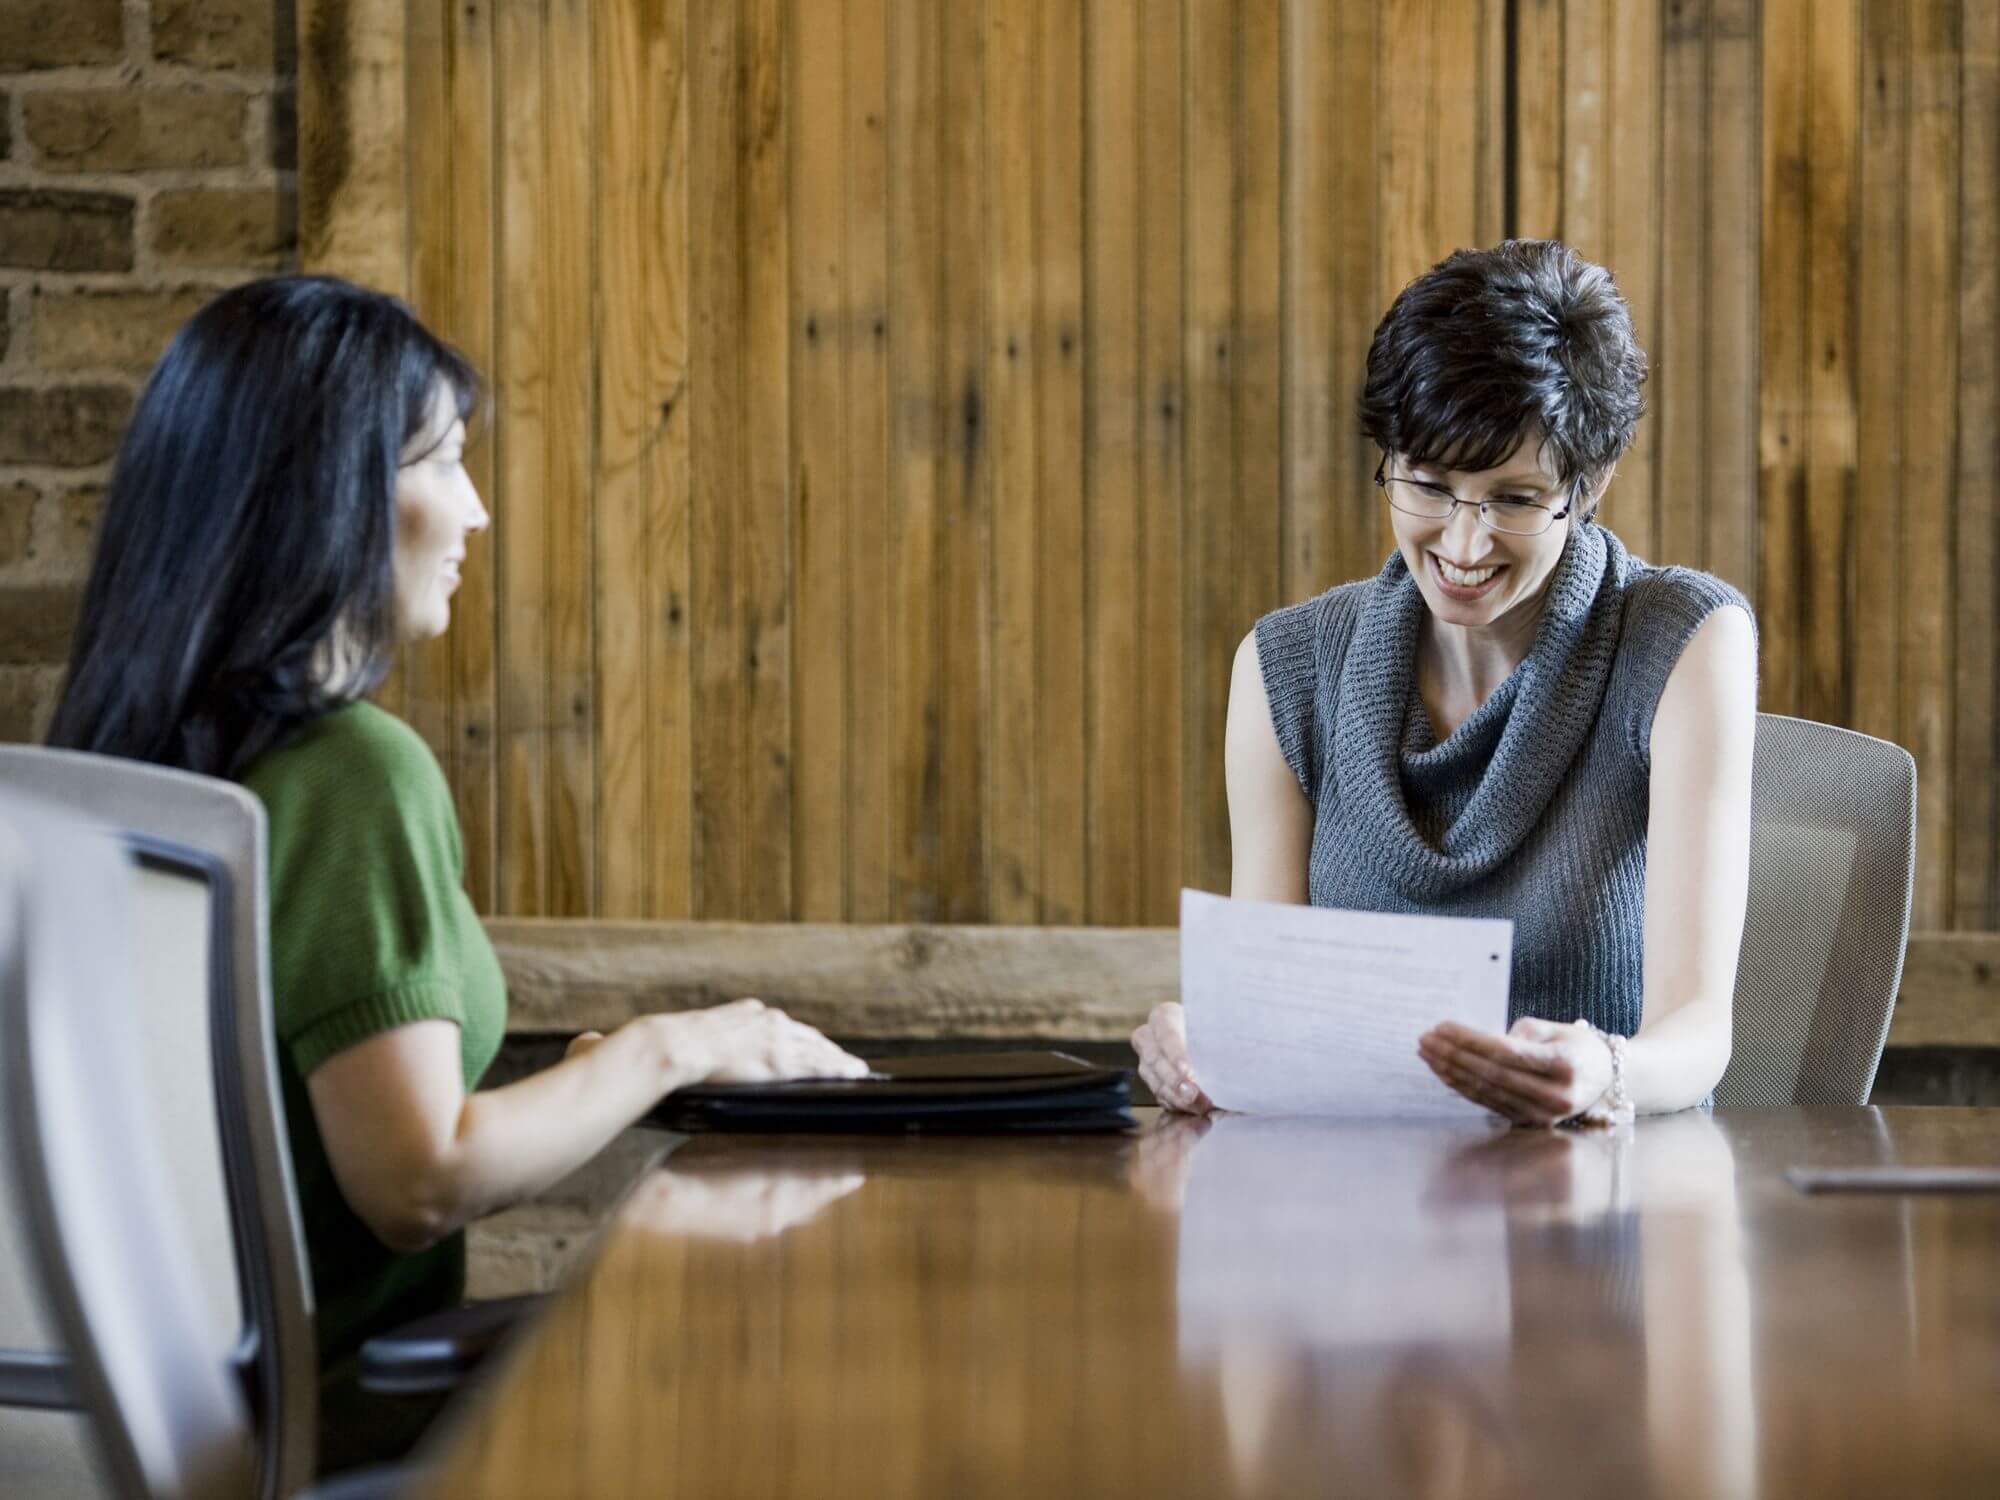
[[1614, 1107]]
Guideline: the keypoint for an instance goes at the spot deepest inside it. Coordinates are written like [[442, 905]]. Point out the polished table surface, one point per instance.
[[1271, 1307]]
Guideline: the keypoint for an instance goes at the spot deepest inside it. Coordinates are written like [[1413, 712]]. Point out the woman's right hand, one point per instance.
[[1163, 1060], [748, 1041]]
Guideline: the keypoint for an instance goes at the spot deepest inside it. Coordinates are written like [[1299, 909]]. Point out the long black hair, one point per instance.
[[243, 584]]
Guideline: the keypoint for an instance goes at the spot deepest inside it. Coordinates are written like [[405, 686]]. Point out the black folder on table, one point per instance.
[[974, 1092]]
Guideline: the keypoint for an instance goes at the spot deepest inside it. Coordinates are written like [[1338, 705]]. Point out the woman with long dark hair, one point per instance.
[[1516, 717], [289, 504]]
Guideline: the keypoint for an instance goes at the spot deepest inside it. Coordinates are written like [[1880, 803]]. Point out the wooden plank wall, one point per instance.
[[903, 408]]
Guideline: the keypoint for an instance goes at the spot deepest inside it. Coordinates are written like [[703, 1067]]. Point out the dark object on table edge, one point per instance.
[[958, 1093]]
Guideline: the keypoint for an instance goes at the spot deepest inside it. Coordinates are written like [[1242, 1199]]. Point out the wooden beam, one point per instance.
[[1951, 991], [1070, 983], [1077, 984]]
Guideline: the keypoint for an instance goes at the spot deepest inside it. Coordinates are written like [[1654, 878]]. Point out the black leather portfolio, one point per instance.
[[974, 1092]]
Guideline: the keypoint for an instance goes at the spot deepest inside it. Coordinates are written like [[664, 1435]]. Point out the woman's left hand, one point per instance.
[[1539, 1073]]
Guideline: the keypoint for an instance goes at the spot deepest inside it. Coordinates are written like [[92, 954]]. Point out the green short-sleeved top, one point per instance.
[[370, 930]]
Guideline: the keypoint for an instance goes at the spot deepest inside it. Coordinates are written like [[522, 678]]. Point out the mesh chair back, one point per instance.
[[1832, 861], [199, 904], [119, 1276]]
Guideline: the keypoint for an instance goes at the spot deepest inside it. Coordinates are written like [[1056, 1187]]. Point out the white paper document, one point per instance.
[[1308, 1011]]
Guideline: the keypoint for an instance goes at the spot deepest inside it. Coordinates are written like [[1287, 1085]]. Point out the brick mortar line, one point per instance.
[[42, 476], [153, 77], [23, 177], [38, 378]]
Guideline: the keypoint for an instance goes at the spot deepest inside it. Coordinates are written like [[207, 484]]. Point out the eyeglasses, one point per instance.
[[1419, 497]]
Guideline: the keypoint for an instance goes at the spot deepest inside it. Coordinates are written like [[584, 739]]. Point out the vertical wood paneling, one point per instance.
[[1116, 419], [1976, 834], [1634, 227], [1585, 130], [567, 272], [821, 333], [1878, 501], [1163, 476], [764, 578], [1830, 389], [1538, 119], [1014, 729], [920, 409], [1259, 343], [1676, 530], [358, 65], [1213, 206], [420, 687], [643, 695], [716, 286], [871, 640], [1930, 386], [469, 322], [1731, 253], [1784, 306], [1313, 379], [1351, 138], [902, 410], [521, 538], [965, 487], [1063, 595]]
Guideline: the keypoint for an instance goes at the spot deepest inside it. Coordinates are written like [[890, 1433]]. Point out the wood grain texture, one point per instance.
[[965, 536], [1636, 229], [468, 319], [1012, 716], [1173, 1313], [356, 58], [521, 532], [1878, 568], [1731, 256], [1675, 531], [763, 578], [903, 410], [568, 274], [921, 417], [1163, 477], [1213, 207], [1080, 984], [821, 523], [1975, 813], [1950, 996], [1066, 984], [717, 480], [871, 791], [1065, 584], [1926, 668], [1115, 421]]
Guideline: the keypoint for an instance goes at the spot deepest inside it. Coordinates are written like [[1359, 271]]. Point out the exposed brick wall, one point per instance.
[[146, 162]]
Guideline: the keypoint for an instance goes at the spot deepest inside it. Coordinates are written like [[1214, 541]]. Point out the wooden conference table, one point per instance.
[[1271, 1307]]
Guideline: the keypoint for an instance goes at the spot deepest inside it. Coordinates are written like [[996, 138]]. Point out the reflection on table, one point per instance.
[[1266, 1307]]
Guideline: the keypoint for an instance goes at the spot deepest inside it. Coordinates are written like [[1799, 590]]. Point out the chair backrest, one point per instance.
[[199, 903], [115, 1265], [1833, 852]]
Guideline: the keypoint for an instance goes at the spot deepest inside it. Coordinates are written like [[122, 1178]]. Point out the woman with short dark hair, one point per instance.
[[1516, 717], [289, 504]]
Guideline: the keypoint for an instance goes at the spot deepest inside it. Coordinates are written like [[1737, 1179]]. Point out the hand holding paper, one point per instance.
[[1304, 1010]]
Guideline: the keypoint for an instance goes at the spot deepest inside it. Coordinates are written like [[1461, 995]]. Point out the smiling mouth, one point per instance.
[[1464, 583]]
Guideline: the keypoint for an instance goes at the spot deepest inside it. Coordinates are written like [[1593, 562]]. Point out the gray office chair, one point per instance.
[[1833, 851], [119, 1271], [198, 893], [190, 830]]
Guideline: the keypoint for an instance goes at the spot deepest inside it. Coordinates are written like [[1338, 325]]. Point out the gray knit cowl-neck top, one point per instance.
[[1535, 807]]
